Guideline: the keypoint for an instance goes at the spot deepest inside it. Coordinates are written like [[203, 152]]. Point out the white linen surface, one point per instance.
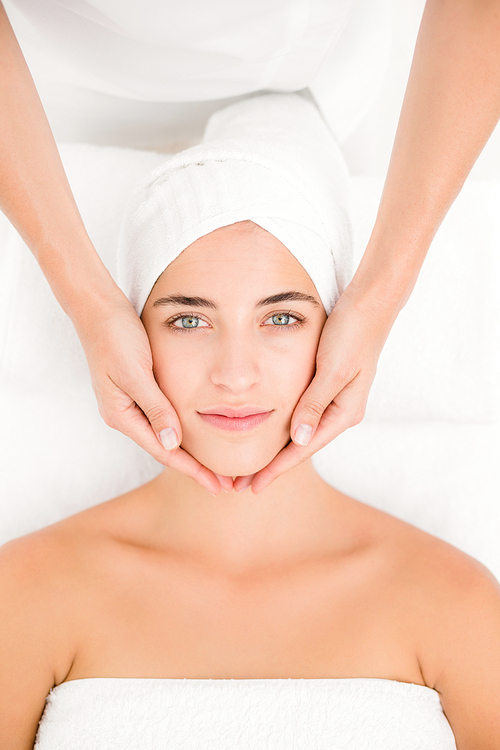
[[127, 714], [427, 450]]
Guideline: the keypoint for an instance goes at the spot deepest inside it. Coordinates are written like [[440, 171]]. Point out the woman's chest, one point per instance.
[[319, 621]]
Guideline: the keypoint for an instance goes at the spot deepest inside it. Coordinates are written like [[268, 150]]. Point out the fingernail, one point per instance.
[[168, 438], [220, 478], [303, 434], [244, 488]]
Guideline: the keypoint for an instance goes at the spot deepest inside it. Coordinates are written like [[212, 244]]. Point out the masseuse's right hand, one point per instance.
[[129, 399], [36, 197]]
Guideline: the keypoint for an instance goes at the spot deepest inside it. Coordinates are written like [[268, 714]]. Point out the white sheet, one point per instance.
[[427, 450]]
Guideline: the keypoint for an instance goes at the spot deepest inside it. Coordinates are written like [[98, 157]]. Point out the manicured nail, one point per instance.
[[169, 438], [220, 478], [303, 434]]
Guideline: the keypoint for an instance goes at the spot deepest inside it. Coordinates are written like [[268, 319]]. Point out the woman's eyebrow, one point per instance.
[[182, 300], [284, 296]]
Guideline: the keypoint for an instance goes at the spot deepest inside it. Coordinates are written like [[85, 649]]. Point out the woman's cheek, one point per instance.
[[174, 371], [301, 369]]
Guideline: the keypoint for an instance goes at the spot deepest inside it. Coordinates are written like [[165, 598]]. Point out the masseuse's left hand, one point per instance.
[[346, 363], [451, 106]]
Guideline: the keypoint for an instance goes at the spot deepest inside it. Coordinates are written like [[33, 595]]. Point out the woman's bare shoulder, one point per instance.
[[426, 563], [427, 559], [455, 603], [450, 601], [416, 553], [431, 575], [50, 561], [36, 639], [51, 552], [46, 560], [46, 581], [88, 527]]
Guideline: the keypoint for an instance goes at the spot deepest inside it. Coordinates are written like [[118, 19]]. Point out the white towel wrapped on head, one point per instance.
[[270, 159]]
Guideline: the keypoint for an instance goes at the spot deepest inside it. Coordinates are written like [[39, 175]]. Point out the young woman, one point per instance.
[[167, 583], [169, 618]]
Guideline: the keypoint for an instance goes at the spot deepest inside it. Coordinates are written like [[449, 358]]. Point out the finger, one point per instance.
[[123, 414], [133, 423], [243, 483], [159, 412], [335, 420], [311, 407], [183, 461], [225, 482]]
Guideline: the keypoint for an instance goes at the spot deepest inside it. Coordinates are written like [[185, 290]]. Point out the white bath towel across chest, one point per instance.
[[279, 714]]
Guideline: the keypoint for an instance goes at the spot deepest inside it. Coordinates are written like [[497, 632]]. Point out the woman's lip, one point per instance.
[[235, 411], [235, 423]]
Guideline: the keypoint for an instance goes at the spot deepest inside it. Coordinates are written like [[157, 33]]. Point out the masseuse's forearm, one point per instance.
[[34, 190], [451, 106]]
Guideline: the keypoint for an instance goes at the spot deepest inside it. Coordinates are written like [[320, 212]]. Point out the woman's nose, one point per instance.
[[236, 366]]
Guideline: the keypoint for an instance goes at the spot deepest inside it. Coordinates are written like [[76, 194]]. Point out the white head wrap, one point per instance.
[[270, 159]]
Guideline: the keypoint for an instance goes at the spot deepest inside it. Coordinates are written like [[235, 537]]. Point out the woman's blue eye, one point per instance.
[[284, 320], [188, 321], [281, 319]]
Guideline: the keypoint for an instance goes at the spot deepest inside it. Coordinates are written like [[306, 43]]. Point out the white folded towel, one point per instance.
[[276, 714], [271, 159]]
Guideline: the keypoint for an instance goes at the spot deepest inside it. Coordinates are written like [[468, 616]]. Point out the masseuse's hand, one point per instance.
[[350, 345], [120, 361], [450, 108], [36, 197]]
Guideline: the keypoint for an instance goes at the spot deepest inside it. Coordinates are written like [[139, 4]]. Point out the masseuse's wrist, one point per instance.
[[79, 279], [95, 302], [101, 301], [388, 271], [375, 297], [379, 291]]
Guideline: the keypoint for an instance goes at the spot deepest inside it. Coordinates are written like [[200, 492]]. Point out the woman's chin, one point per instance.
[[228, 467], [235, 461]]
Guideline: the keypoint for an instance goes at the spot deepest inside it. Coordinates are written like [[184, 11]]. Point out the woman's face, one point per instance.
[[234, 323]]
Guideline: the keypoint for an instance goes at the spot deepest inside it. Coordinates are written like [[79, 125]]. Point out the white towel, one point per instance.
[[276, 714], [271, 159]]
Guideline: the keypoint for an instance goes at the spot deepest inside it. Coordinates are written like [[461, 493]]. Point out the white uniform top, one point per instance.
[[152, 52], [275, 714], [165, 50]]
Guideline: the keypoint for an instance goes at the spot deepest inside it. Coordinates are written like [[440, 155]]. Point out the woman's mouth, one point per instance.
[[234, 419]]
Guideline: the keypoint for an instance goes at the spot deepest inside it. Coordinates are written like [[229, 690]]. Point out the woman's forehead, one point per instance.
[[238, 254]]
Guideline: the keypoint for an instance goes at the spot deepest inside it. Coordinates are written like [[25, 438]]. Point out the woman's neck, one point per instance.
[[238, 533]]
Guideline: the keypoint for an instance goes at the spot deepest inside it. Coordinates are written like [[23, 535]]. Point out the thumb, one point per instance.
[[309, 410], [160, 414]]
